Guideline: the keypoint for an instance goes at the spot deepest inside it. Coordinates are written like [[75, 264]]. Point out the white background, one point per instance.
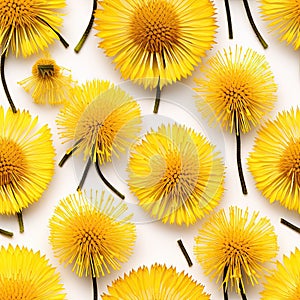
[[156, 242]]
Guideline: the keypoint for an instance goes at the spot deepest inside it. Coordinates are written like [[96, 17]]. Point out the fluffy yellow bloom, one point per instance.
[[101, 118], [234, 247], [49, 82], [275, 159], [238, 84], [92, 233], [156, 282], [283, 283], [176, 174], [283, 17], [151, 39], [26, 160], [27, 26], [27, 275]]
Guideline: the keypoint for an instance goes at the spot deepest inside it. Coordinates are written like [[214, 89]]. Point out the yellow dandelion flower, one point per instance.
[[102, 119], [275, 159], [250, 18], [92, 233], [27, 26], [49, 82], [156, 282], [176, 174], [235, 247], [156, 42], [283, 17], [283, 283], [239, 89], [26, 161], [27, 275]]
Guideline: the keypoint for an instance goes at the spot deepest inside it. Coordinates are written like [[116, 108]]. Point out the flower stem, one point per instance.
[[242, 290], [250, 18], [228, 19], [84, 175], [157, 98], [290, 225], [225, 290], [94, 279], [238, 155], [69, 153], [62, 40], [6, 233], [87, 30], [186, 255], [11, 103], [20, 221], [106, 182]]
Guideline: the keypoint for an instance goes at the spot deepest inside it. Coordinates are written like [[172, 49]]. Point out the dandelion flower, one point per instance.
[[92, 233], [283, 283], [27, 275], [283, 17], [235, 247], [48, 83], [156, 282], [156, 42], [27, 26], [26, 161], [250, 18], [239, 89], [275, 159], [176, 174], [102, 119]]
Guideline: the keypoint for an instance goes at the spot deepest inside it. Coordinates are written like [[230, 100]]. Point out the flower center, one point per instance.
[[173, 171], [233, 248], [17, 289], [290, 161], [154, 26], [11, 161], [236, 95], [16, 12]]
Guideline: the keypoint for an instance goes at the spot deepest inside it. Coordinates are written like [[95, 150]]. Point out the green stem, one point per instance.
[[20, 221], [6, 233], [250, 18], [69, 153], [157, 98], [106, 182], [11, 103], [84, 175], [228, 19], [186, 255], [242, 290], [87, 30], [290, 225]]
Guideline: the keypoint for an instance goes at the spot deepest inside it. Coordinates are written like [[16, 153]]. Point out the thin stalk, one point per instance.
[[225, 290], [11, 103], [6, 233], [242, 291], [250, 18], [106, 182], [186, 255], [20, 221], [290, 225], [69, 153], [228, 19], [238, 155], [87, 30], [84, 175], [157, 98], [95, 289], [62, 40]]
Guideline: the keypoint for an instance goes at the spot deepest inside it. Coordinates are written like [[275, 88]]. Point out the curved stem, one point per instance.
[[157, 98], [242, 290], [106, 182], [69, 153], [225, 290], [238, 156], [11, 103], [87, 30], [228, 19], [6, 233], [250, 18], [290, 225], [20, 221], [84, 175], [62, 40]]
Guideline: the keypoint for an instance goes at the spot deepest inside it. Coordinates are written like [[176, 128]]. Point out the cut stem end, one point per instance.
[[20, 221], [290, 225], [6, 233], [157, 98], [186, 255]]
